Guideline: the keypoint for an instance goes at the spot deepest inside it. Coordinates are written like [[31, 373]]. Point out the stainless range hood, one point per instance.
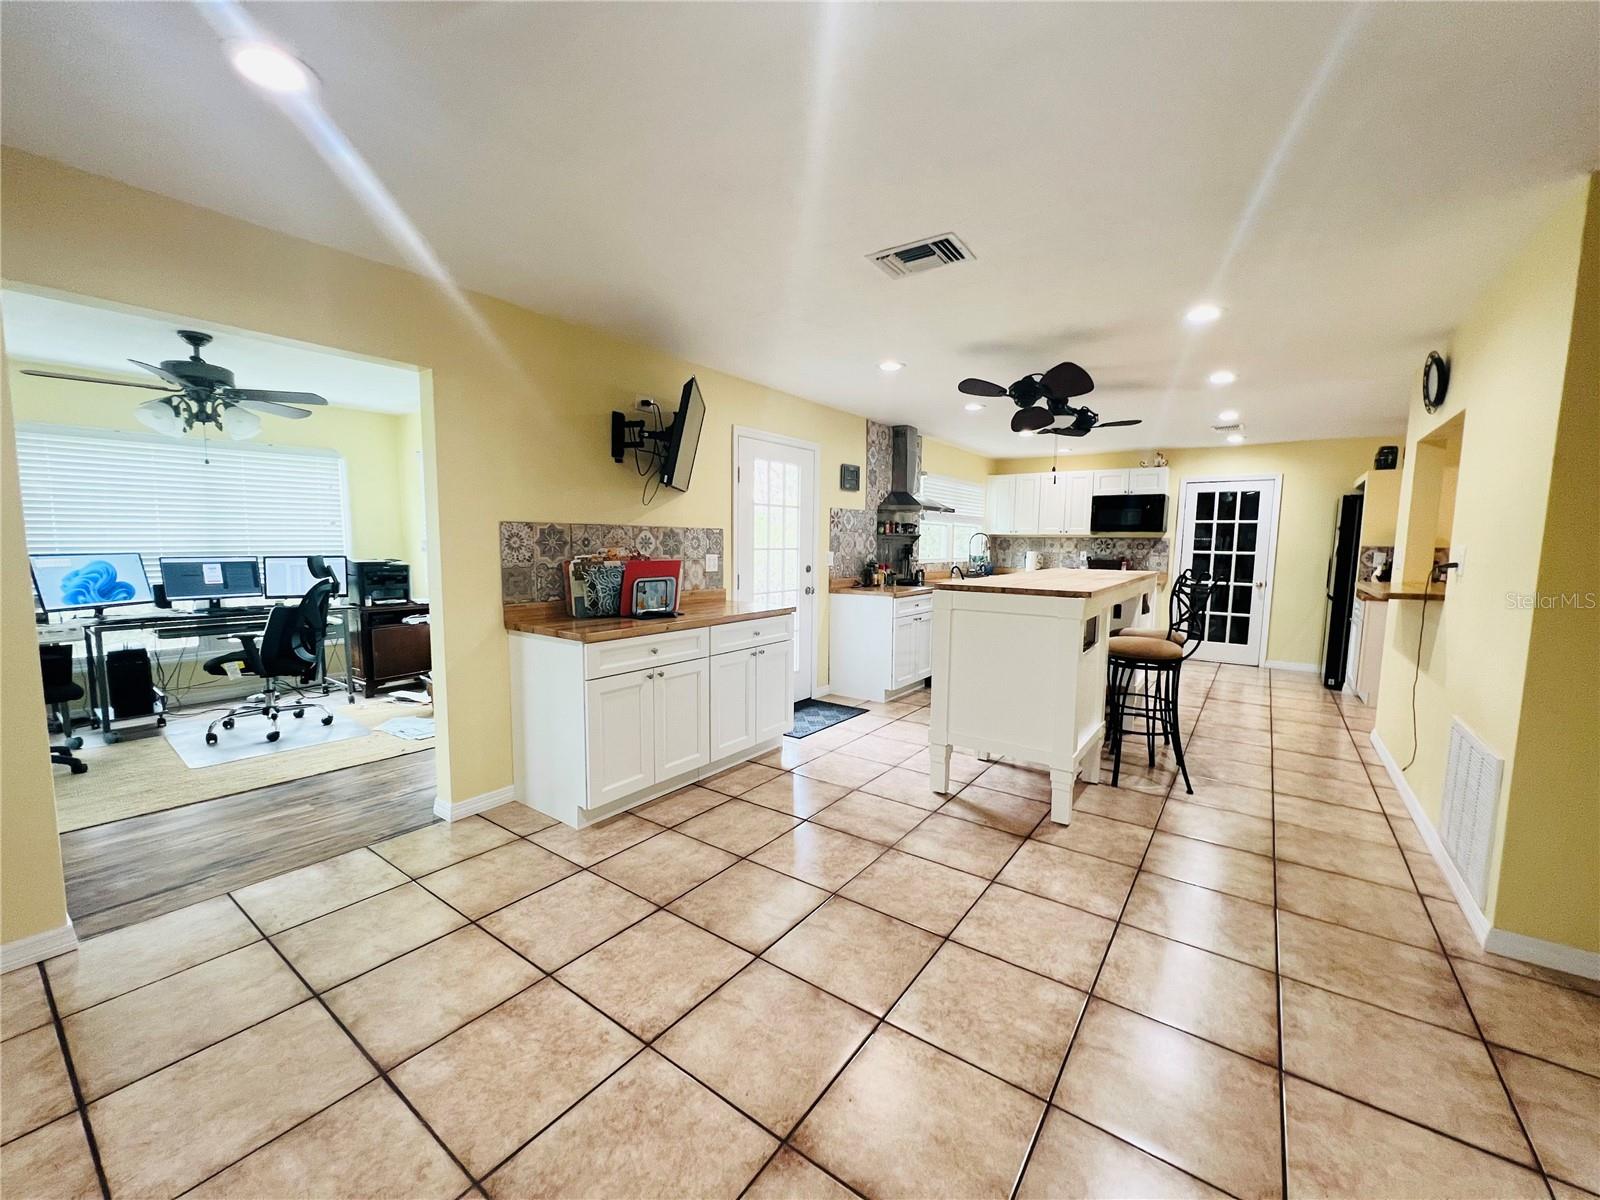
[[905, 473]]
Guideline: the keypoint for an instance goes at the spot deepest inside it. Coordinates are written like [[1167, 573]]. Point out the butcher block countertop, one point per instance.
[[697, 610], [846, 588], [1063, 581]]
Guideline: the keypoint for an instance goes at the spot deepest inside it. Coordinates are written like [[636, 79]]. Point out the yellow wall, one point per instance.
[[32, 894], [515, 417], [1550, 865], [383, 489], [1315, 475], [1510, 376], [941, 458], [1380, 507]]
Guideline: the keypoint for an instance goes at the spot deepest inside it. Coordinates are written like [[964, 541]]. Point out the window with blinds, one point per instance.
[[946, 536], [89, 490]]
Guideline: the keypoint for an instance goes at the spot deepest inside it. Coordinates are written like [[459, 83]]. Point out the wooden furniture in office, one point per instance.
[[386, 649]]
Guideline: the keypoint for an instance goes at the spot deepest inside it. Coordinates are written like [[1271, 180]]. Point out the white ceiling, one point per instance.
[[710, 177], [87, 338]]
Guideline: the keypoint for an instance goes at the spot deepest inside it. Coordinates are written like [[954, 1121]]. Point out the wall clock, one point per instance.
[[1435, 381]]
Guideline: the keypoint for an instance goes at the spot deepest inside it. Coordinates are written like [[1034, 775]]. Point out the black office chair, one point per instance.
[[290, 649], [55, 664]]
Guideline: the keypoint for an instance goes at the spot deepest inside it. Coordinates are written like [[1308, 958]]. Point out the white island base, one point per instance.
[[1019, 670]]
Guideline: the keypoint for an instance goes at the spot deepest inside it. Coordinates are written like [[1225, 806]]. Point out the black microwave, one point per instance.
[[1128, 514]]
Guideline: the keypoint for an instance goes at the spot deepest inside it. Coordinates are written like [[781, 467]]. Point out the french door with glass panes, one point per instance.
[[1229, 531], [775, 537]]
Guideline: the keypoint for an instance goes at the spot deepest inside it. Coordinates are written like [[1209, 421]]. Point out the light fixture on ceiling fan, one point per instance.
[[202, 393]]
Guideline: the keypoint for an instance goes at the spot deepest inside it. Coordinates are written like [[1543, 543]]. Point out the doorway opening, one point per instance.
[[167, 557]]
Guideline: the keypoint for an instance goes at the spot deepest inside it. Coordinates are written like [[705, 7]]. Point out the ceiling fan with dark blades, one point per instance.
[[1057, 388], [196, 392]]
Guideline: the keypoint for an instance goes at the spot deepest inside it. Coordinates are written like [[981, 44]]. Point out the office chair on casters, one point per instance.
[[55, 664], [290, 649]]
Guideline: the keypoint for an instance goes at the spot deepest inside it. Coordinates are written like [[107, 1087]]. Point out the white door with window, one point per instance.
[[775, 538], [1229, 530]]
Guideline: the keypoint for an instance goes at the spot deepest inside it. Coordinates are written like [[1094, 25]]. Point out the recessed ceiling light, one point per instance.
[[1227, 415], [974, 406], [1235, 439], [1202, 314], [890, 366], [1221, 378], [270, 68]]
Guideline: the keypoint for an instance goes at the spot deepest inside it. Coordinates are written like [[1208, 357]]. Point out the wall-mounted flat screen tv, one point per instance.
[[683, 439]]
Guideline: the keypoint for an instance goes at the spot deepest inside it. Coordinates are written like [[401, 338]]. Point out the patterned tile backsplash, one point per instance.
[[1367, 565], [531, 554], [853, 532], [1143, 554]]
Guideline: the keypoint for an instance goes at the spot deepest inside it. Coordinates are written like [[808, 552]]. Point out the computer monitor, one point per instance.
[[288, 578], [66, 582], [210, 578]]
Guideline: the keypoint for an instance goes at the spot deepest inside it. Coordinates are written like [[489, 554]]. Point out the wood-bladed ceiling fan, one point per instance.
[[1056, 389], [195, 392]]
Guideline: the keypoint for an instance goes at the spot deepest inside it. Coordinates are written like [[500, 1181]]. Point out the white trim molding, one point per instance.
[[1279, 664], [39, 946], [473, 806], [1506, 944]]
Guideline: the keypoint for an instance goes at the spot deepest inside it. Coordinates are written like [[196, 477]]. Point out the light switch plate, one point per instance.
[[830, 558], [712, 561]]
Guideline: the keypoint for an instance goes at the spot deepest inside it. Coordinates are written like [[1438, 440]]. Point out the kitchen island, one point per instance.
[[1019, 670]]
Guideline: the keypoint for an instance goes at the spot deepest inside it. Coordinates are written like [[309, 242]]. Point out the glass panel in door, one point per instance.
[[1226, 525]]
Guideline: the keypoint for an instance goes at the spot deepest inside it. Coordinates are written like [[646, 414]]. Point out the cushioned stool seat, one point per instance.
[[1146, 649], [1177, 636]]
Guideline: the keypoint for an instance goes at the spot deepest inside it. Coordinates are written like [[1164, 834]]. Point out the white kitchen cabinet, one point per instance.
[[1025, 516], [1138, 481], [1053, 489], [1000, 504], [1147, 481], [1080, 499], [1368, 641], [620, 732], [774, 691], [590, 739], [683, 718], [880, 644], [733, 702]]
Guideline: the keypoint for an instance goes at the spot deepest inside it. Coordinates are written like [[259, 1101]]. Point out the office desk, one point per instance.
[[223, 622]]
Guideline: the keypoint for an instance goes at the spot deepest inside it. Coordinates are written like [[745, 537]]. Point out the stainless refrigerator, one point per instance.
[[1341, 589]]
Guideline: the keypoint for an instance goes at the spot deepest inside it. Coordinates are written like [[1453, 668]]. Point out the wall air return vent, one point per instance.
[[1472, 774], [913, 258]]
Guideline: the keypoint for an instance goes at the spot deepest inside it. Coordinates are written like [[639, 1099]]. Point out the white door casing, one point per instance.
[[775, 538], [1228, 526]]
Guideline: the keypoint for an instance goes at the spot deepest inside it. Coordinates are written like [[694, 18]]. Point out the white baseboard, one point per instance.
[[1543, 954], [1503, 942], [1278, 664], [473, 805], [38, 946]]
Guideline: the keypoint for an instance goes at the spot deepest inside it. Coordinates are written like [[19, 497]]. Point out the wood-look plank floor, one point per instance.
[[132, 870]]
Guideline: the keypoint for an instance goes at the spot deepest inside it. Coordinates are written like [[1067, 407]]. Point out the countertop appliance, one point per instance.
[[1341, 588], [1120, 514]]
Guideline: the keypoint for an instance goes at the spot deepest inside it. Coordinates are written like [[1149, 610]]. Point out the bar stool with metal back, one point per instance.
[[1160, 656]]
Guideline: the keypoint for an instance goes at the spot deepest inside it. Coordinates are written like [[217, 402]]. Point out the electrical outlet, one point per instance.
[[713, 561]]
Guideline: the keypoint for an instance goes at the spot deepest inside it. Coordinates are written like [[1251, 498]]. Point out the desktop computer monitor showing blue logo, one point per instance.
[[68, 582]]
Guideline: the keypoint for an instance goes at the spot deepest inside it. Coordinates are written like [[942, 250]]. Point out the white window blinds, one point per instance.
[[947, 536], [87, 490], [966, 498]]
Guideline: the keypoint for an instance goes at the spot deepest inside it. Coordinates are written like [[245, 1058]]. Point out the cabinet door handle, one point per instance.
[[760, 651], [655, 649]]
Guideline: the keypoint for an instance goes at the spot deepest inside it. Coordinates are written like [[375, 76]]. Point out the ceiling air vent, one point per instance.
[[915, 257], [1233, 428]]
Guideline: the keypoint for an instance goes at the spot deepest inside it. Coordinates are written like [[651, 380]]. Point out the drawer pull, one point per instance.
[[655, 649]]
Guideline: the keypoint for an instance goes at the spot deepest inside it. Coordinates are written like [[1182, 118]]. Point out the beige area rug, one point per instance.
[[143, 774]]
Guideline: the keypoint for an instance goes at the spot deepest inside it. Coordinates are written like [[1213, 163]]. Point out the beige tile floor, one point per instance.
[[812, 976]]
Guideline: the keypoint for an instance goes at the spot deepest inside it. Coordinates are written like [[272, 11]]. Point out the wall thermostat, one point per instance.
[[849, 477]]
